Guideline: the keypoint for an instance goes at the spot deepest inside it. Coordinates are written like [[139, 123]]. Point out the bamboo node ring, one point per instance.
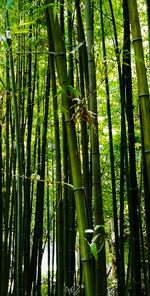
[[67, 121], [137, 39], [86, 260], [78, 188], [59, 54], [147, 151], [144, 95]]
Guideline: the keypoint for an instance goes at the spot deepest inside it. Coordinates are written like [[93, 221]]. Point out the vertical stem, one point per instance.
[[144, 103], [97, 189], [1, 197], [19, 170], [48, 238], [60, 55]]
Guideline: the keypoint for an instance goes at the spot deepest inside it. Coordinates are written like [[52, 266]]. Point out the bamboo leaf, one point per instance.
[[75, 92], [64, 110], [21, 31], [26, 23], [2, 82], [93, 249], [126, 64], [40, 9]]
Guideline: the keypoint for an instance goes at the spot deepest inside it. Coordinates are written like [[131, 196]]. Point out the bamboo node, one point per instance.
[[95, 152], [86, 260], [133, 188], [96, 182], [143, 95], [67, 121], [60, 54], [78, 188], [137, 39], [147, 151]]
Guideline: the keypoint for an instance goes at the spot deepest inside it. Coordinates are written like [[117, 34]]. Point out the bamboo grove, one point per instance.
[[74, 147]]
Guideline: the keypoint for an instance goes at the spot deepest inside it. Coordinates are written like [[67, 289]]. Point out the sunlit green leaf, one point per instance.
[[24, 24], [21, 31], [93, 249], [40, 9], [75, 92]]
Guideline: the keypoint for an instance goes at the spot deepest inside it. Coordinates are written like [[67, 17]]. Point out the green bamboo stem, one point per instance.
[[117, 249], [85, 152], [97, 189], [72, 237], [42, 176], [19, 169], [27, 197], [59, 206], [133, 197], [1, 198], [69, 202], [148, 21], [144, 103], [53, 235], [48, 236], [84, 84], [5, 267], [73, 152], [35, 246], [113, 177]]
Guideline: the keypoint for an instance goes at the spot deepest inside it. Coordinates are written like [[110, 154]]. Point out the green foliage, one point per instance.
[[44, 285], [69, 5], [94, 251], [30, 46], [75, 93], [9, 3], [97, 241], [39, 11]]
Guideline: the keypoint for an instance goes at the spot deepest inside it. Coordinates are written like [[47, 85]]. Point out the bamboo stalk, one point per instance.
[[144, 103], [19, 288], [100, 264], [73, 152]]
